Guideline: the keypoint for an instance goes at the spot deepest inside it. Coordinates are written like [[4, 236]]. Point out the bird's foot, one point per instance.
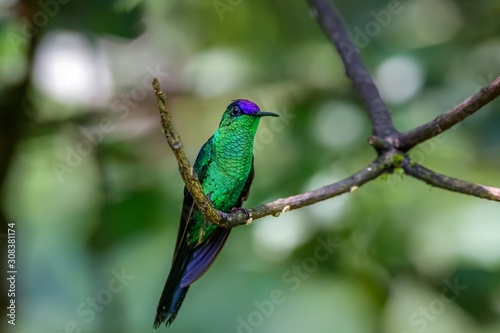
[[248, 218], [240, 209], [223, 217]]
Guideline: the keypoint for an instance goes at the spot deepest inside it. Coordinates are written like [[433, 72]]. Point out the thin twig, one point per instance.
[[449, 183], [186, 170], [441, 123], [334, 29]]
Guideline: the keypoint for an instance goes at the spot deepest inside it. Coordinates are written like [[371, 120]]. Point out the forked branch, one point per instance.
[[390, 144], [330, 21]]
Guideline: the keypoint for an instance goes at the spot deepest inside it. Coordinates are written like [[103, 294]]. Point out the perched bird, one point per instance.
[[225, 170]]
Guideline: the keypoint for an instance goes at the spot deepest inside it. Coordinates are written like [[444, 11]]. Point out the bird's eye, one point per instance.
[[235, 111]]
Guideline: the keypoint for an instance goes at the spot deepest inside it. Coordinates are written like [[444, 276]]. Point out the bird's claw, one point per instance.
[[243, 210], [248, 218], [223, 217]]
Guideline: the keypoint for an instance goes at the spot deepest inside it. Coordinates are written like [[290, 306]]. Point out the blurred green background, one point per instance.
[[94, 190]]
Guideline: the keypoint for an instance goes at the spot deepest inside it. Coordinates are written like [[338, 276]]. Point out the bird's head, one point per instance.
[[242, 113]]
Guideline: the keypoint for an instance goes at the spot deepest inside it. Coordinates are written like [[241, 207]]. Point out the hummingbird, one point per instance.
[[224, 167]]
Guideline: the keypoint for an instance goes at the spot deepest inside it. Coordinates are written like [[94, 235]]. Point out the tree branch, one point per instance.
[[334, 29], [441, 123], [449, 183], [350, 184], [186, 170], [389, 143], [229, 220]]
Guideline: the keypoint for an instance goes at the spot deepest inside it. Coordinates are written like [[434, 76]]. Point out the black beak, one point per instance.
[[264, 114]]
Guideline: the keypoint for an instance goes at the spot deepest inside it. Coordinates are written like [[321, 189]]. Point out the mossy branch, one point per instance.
[[186, 170]]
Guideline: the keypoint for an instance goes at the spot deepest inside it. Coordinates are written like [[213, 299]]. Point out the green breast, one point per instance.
[[225, 179]]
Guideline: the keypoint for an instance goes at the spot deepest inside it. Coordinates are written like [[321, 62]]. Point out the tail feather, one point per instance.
[[189, 264], [173, 294], [169, 306], [203, 256]]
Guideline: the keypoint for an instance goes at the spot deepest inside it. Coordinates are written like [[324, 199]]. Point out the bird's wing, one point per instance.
[[190, 262], [188, 206], [205, 254], [174, 292], [246, 188]]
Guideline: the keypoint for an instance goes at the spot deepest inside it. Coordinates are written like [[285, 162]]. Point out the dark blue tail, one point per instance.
[[189, 264], [173, 294]]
